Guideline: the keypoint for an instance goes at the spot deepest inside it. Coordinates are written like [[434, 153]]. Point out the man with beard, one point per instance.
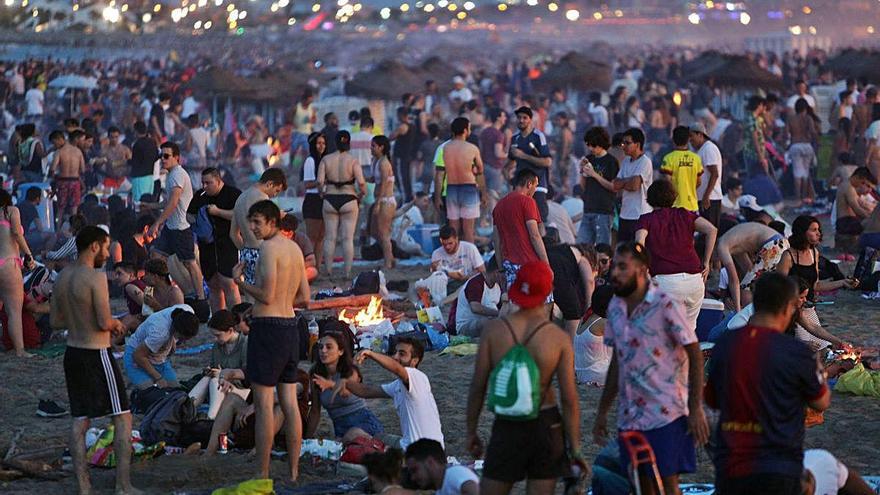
[[658, 368], [761, 381], [529, 150], [273, 342], [81, 304]]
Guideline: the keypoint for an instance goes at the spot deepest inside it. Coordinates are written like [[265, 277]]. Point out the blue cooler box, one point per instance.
[[711, 314], [427, 236]]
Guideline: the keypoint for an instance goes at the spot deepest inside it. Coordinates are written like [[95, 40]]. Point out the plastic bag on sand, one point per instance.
[[859, 381], [249, 487], [461, 350], [436, 285]]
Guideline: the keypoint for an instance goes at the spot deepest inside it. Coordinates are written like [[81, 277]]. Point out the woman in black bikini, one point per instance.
[[802, 260], [337, 174]]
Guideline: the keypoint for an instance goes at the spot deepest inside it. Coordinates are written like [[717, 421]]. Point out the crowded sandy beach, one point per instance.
[[341, 250]]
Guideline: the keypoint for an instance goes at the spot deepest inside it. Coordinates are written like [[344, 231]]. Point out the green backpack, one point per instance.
[[515, 382]]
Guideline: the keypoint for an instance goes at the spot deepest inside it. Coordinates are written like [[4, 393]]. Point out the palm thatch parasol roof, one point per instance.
[[576, 71], [734, 71]]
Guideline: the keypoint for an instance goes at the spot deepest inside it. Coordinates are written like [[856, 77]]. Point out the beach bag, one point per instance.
[[355, 451], [203, 228], [165, 419], [515, 382]]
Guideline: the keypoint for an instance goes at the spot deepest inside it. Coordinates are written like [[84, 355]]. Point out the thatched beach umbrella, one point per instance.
[[578, 72], [857, 63], [732, 71], [388, 80]]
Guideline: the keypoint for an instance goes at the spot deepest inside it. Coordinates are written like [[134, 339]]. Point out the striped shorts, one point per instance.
[[94, 383]]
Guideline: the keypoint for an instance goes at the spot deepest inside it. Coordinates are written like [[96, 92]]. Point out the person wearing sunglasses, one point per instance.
[[175, 236], [635, 176]]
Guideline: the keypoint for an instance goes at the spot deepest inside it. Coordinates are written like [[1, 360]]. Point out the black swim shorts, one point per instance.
[[94, 383], [532, 449], [273, 350]]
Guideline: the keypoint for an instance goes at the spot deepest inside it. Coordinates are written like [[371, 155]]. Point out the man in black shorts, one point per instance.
[[81, 303], [273, 342], [541, 449], [217, 253]]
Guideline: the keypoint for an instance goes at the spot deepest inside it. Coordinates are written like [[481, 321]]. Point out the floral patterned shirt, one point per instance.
[[652, 362]]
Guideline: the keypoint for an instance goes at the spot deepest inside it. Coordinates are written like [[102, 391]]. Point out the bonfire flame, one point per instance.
[[372, 315]]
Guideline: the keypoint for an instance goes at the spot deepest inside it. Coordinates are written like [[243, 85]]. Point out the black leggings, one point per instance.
[[404, 177]]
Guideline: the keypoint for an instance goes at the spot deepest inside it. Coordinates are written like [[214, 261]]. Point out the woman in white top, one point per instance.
[[313, 203], [591, 355]]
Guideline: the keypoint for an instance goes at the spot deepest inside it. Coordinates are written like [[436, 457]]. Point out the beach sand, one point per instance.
[[851, 426]]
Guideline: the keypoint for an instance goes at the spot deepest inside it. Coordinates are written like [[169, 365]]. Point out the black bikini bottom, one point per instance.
[[337, 201]]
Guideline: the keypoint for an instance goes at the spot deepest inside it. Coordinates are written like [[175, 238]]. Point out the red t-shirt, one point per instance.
[[510, 216], [670, 240]]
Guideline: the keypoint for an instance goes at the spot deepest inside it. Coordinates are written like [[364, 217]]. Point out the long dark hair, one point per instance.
[[383, 141], [5, 202], [313, 152], [799, 228], [345, 367]]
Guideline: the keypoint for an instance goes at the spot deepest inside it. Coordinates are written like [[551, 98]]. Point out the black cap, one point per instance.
[[524, 109]]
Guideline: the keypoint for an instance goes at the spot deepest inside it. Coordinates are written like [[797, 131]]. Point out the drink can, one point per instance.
[[223, 443]]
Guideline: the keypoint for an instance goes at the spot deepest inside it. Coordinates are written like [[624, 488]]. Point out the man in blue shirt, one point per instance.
[[529, 149]]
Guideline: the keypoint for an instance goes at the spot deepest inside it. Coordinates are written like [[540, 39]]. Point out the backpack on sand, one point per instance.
[[165, 419], [515, 382]]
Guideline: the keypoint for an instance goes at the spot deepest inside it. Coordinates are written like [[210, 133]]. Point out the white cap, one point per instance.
[[750, 202], [457, 80]]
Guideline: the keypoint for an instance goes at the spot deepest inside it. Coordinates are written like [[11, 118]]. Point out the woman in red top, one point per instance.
[[668, 234]]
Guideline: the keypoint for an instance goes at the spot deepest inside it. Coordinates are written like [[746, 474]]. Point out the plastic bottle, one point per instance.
[[314, 329]]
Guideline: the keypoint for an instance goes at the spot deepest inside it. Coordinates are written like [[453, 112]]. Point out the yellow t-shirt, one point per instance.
[[683, 167]]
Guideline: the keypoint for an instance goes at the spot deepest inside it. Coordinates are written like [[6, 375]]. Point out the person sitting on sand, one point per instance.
[[851, 210], [383, 471], [825, 474], [477, 302], [427, 469], [802, 260], [801, 326], [350, 416], [125, 276], [742, 243], [591, 355], [243, 311], [288, 226], [228, 355], [160, 292], [147, 350], [411, 391]]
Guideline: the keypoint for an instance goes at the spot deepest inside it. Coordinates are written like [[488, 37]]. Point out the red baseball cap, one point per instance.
[[534, 282]]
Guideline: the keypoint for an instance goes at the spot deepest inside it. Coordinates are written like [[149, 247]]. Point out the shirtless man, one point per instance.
[[114, 159], [466, 190], [742, 243], [68, 167], [95, 387], [273, 344], [549, 433], [271, 184], [850, 209]]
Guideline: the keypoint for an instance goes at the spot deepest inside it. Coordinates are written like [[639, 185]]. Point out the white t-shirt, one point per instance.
[[360, 147], [34, 99], [792, 100], [463, 94], [455, 477], [558, 217], [177, 177], [728, 206], [490, 299], [155, 333], [710, 155], [873, 131], [310, 173], [635, 203], [466, 260], [830, 473], [200, 139], [190, 106], [416, 407], [599, 114]]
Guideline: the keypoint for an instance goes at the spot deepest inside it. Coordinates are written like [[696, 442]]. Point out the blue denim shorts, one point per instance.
[[362, 418], [673, 446]]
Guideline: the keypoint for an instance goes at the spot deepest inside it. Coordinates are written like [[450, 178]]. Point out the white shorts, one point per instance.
[[802, 157], [686, 288]]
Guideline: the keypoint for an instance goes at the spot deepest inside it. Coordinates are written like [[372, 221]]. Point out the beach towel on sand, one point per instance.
[[249, 487]]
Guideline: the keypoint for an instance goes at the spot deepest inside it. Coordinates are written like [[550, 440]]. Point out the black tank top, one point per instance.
[[807, 273]]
